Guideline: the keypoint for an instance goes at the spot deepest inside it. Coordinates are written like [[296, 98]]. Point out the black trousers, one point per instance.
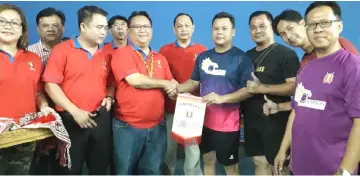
[[92, 145]]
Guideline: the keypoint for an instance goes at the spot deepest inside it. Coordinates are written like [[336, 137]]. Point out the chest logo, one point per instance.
[[105, 65], [260, 69], [212, 68], [328, 78], [159, 64], [31, 66], [195, 56]]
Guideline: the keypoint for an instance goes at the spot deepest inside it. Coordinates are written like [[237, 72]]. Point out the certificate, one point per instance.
[[188, 119]]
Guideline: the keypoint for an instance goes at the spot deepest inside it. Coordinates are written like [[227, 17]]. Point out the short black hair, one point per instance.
[[183, 14], [139, 13], [258, 13], [286, 15], [50, 11], [86, 13], [332, 4], [224, 15], [116, 17]]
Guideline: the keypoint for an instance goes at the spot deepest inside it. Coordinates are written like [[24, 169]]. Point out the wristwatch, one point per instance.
[[112, 99], [344, 172]]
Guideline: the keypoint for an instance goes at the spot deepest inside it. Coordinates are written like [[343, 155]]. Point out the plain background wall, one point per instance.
[[163, 12]]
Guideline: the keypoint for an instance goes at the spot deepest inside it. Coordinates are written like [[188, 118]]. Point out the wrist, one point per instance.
[[343, 172], [112, 99], [43, 105]]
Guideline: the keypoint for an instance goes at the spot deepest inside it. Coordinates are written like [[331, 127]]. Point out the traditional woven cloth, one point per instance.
[[40, 120]]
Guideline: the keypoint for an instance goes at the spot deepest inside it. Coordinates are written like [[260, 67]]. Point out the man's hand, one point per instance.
[[83, 118], [255, 86], [107, 102], [47, 110], [213, 98], [279, 163], [270, 107], [171, 88]]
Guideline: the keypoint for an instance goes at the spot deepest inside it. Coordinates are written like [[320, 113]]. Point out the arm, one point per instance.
[[289, 64], [188, 86], [352, 155], [284, 89], [41, 101], [238, 96], [286, 106], [141, 81], [285, 145], [286, 142], [351, 88]]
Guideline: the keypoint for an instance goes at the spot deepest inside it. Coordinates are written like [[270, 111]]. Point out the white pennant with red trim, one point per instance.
[[188, 119]]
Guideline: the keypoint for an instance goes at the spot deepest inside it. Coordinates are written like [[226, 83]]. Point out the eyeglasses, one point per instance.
[[138, 27], [323, 24], [119, 26], [13, 23]]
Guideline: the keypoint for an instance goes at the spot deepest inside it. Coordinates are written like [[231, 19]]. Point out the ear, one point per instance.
[[38, 30], [233, 32], [340, 26], [174, 30], [82, 26], [302, 22]]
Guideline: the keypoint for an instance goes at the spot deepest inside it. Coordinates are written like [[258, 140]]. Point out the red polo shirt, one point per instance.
[[19, 83], [346, 44], [82, 77], [181, 62], [109, 48], [141, 108]]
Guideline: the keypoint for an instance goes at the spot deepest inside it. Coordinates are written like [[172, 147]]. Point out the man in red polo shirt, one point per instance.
[[142, 75], [290, 26], [181, 56], [76, 80]]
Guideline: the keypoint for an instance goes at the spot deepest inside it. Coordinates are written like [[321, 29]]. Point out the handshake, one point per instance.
[[171, 88]]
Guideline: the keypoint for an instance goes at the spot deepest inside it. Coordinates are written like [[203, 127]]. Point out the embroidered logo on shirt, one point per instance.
[[231, 157], [195, 56], [328, 78], [210, 68], [31, 66], [260, 69], [302, 97], [105, 65], [159, 64]]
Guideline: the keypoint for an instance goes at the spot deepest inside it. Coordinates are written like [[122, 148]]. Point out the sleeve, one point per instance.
[[196, 71], [352, 87], [123, 64], [289, 63], [348, 46], [245, 68], [54, 70]]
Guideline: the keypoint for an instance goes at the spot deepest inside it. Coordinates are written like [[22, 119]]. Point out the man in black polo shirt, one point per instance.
[[276, 67]]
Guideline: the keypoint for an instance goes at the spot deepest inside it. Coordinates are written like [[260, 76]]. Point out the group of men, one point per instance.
[[141, 86]]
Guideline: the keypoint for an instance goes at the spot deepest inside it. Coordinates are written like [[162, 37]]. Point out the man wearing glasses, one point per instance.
[[290, 26], [275, 71], [76, 80], [142, 76], [324, 126]]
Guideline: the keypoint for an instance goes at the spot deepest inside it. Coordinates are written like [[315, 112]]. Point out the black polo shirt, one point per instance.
[[279, 64]]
